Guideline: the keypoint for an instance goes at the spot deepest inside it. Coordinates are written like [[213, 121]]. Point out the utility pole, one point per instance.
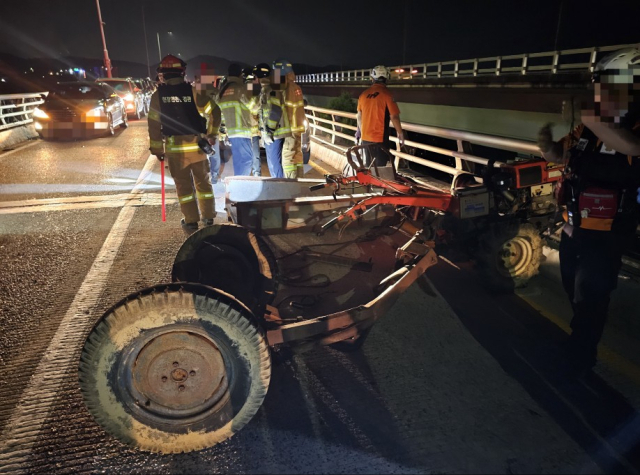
[[146, 45], [555, 44], [107, 61], [404, 32]]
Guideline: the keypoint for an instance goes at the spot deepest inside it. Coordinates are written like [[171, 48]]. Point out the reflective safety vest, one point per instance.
[[178, 112], [600, 185], [286, 111], [236, 108], [210, 111]]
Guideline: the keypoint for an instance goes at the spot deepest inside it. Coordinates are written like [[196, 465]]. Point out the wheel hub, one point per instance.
[[174, 375], [515, 256]]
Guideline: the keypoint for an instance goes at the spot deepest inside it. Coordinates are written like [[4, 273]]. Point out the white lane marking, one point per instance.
[[109, 201], [24, 426], [6, 154]]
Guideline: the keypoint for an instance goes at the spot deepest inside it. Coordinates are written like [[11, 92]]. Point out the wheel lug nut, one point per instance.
[[181, 388], [192, 373], [164, 379], [175, 363]]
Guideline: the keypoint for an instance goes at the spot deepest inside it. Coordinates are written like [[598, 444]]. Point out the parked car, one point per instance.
[[80, 109], [133, 96]]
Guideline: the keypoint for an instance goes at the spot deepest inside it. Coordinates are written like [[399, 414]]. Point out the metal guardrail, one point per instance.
[[554, 62], [16, 110], [334, 129]]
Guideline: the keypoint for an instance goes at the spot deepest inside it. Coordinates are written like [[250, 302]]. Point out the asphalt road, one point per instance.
[[454, 379]]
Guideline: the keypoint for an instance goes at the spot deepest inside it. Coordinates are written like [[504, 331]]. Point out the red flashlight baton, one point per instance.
[[164, 213]]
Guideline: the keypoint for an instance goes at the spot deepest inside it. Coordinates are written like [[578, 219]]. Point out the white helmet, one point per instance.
[[619, 62], [380, 72]]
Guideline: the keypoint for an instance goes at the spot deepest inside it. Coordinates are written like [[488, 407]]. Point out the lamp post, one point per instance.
[[146, 45], [107, 61], [159, 50]]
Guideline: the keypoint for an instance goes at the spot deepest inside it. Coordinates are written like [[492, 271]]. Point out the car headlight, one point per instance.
[[39, 113], [97, 112], [128, 97]]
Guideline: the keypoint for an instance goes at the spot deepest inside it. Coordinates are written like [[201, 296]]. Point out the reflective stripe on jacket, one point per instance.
[[236, 108]]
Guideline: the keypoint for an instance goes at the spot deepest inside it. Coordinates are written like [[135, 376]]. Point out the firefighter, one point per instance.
[[269, 96], [208, 109], [237, 105], [376, 107], [286, 118], [251, 81], [175, 127], [599, 189]]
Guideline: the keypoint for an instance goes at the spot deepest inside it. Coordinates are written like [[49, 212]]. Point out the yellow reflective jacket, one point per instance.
[[286, 112], [237, 108], [208, 109]]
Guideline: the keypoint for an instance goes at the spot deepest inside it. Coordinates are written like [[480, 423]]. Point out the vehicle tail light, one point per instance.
[[128, 97]]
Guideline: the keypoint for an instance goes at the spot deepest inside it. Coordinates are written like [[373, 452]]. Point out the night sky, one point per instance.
[[352, 33]]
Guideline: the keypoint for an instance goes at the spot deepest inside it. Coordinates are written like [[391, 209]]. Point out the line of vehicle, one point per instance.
[[84, 202], [26, 421]]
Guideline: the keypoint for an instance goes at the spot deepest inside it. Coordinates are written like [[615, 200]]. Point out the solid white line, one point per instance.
[[109, 201], [24, 426], [6, 154]]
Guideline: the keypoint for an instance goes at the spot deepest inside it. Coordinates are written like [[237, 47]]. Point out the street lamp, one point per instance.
[[159, 50], [107, 61]]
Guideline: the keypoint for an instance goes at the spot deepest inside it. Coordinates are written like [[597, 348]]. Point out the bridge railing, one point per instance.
[[554, 62], [16, 110], [327, 130]]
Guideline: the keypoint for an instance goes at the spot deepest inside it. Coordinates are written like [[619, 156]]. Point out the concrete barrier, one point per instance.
[[12, 137]]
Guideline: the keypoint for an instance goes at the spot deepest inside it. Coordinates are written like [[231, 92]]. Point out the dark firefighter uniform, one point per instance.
[[600, 191], [174, 128]]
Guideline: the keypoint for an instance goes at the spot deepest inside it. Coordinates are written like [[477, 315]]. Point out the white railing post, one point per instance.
[[525, 59], [556, 60], [475, 67], [498, 65], [592, 60], [333, 127], [439, 69]]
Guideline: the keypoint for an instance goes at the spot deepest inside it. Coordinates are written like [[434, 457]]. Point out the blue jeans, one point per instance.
[[242, 155], [256, 169], [214, 162], [274, 158]]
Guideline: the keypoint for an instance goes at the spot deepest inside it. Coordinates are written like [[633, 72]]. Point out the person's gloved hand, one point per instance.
[[358, 136], [545, 138], [268, 137], [160, 157], [159, 154]]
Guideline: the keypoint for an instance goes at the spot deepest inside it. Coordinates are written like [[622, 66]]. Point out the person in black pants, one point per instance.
[[600, 192]]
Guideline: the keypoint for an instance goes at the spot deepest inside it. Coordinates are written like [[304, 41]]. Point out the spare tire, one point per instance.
[[175, 368]]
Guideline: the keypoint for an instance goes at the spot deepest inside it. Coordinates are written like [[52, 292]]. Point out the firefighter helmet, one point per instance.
[[262, 70], [172, 64], [380, 73], [283, 65], [247, 74]]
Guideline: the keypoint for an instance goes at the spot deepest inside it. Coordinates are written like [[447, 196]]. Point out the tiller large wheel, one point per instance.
[[175, 368]]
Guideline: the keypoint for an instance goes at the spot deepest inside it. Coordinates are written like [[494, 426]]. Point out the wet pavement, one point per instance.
[[452, 380]]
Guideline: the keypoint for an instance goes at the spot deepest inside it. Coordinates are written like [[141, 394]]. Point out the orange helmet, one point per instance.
[[172, 64]]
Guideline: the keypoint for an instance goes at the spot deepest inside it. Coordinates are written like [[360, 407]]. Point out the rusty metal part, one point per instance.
[[353, 264], [177, 373], [345, 324]]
